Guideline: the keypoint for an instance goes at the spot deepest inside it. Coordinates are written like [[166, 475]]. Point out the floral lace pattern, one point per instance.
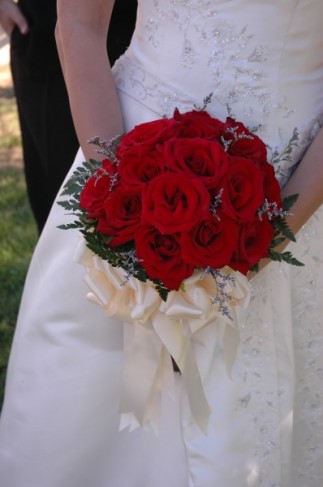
[[308, 343], [228, 55]]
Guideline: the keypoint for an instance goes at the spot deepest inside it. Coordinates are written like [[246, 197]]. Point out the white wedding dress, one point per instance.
[[60, 422]]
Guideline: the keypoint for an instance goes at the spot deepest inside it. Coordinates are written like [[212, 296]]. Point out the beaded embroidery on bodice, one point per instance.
[[236, 59]]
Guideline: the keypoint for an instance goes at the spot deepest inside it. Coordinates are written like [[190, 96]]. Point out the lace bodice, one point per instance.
[[260, 70]]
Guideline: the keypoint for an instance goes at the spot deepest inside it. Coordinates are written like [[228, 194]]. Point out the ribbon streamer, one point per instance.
[[155, 330]]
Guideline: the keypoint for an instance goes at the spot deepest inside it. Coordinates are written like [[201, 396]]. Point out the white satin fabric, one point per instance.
[[60, 422], [155, 330]]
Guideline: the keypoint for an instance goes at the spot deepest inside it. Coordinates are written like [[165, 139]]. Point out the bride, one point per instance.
[[60, 421]]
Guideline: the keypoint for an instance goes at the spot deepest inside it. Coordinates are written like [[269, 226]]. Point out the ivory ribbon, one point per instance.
[[155, 330]]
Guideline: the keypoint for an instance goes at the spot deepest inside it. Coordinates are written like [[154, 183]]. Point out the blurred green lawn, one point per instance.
[[18, 233], [18, 237]]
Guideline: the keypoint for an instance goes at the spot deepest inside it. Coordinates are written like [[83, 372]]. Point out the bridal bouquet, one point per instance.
[[173, 218]]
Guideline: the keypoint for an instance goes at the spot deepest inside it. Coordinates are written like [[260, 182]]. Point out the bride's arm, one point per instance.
[[307, 182], [81, 32]]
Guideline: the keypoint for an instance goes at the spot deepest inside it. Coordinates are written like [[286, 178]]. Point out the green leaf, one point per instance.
[[161, 289], [67, 226], [289, 201], [284, 256], [277, 241], [71, 204], [282, 225]]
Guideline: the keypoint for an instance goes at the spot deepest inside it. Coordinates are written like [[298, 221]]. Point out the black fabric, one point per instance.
[[48, 136], [121, 27], [49, 139], [37, 49]]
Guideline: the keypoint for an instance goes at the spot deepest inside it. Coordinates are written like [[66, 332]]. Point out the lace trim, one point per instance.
[[150, 91]]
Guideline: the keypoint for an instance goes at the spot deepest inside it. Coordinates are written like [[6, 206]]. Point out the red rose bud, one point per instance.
[[122, 215], [254, 241], [210, 242], [148, 135], [138, 168], [174, 202], [97, 189], [271, 185], [197, 123], [243, 191], [242, 142], [197, 157], [161, 256]]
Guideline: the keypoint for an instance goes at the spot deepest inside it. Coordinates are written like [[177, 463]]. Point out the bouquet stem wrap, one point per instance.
[[155, 330]]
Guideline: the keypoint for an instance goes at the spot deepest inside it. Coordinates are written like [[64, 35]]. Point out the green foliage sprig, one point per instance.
[[282, 233], [123, 256]]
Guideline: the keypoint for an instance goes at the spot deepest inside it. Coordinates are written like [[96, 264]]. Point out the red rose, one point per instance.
[[161, 256], [197, 157], [174, 202], [148, 135], [97, 189], [243, 142], [242, 189], [210, 242], [122, 215], [271, 185], [197, 123], [139, 167], [254, 241]]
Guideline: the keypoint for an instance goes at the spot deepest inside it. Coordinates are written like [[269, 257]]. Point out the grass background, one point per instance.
[[18, 234]]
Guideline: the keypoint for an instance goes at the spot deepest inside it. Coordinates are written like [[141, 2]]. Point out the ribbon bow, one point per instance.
[[156, 330]]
